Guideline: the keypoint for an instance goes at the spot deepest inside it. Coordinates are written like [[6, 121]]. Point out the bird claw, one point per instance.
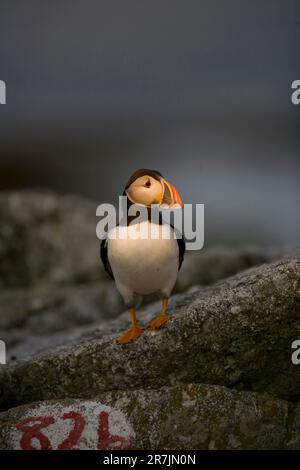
[[159, 322], [130, 335]]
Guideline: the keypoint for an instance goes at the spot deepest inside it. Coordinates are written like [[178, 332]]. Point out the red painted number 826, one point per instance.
[[32, 426]]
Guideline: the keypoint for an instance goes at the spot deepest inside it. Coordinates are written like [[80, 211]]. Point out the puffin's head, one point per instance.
[[148, 187]]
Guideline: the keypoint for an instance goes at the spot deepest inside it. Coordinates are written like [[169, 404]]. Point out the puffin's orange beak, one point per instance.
[[174, 194]]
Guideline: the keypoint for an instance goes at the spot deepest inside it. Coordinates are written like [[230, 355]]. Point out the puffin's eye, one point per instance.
[[148, 184]]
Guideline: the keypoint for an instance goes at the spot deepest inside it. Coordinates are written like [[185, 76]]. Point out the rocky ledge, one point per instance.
[[218, 376]]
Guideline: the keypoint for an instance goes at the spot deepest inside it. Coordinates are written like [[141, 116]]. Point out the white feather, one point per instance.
[[140, 265]]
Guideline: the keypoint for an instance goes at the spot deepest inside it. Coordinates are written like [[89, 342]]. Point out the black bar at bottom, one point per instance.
[[151, 459]]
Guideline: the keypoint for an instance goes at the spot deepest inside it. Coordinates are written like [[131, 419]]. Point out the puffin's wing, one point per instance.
[[104, 257], [181, 246]]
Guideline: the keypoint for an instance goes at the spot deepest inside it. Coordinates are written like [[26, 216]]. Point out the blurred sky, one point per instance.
[[199, 90]]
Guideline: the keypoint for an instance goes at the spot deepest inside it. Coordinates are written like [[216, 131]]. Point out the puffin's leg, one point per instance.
[[133, 333], [163, 317]]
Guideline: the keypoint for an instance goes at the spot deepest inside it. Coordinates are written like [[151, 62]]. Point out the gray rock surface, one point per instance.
[[47, 238], [237, 333], [189, 416], [213, 263], [38, 318], [293, 435]]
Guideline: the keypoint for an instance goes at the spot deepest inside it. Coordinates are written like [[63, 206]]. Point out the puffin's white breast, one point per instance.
[[143, 265]]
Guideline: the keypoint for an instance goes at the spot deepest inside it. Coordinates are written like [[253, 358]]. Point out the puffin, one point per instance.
[[145, 265]]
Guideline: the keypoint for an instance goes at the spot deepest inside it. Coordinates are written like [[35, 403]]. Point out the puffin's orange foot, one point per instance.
[[159, 322], [130, 335]]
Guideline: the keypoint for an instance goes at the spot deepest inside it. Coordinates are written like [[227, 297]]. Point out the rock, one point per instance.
[[237, 333], [213, 263], [189, 416], [293, 436], [37, 319], [47, 238], [66, 305]]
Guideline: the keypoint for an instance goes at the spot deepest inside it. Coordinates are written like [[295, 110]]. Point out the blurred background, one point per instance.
[[199, 90]]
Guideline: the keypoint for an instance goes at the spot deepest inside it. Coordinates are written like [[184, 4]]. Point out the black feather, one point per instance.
[[104, 258], [181, 246]]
